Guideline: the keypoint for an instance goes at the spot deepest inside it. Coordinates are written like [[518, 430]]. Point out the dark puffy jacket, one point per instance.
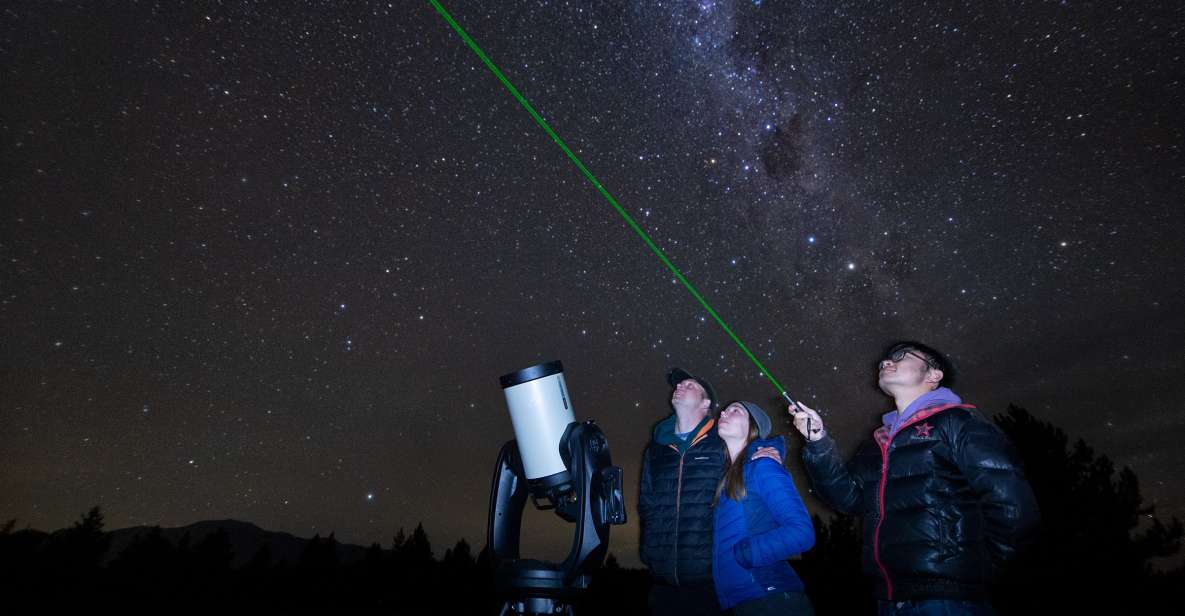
[[754, 537], [944, 501], [675, 502]]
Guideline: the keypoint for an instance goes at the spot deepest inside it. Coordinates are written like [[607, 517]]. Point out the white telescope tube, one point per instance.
[[540, 411]]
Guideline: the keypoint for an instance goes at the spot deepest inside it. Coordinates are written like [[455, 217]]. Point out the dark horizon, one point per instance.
[[236, 563], [1171, 562]]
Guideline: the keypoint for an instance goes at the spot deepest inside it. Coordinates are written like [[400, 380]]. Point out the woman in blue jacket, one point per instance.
[[760, 521]]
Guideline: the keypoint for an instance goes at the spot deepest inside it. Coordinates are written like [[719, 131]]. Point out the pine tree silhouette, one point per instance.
[[418, 548], [1098, 537], [1095, 554], [70, 564], [831, 570]]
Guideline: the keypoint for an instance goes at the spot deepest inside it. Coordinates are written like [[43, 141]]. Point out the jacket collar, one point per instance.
[[664, 432], [883, 436], [893, 420]]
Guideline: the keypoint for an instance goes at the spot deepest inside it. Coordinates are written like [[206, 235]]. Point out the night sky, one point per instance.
[[268, 261]]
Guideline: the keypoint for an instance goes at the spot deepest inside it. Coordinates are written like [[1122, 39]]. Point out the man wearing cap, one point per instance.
[[681, 467], [944, 498]]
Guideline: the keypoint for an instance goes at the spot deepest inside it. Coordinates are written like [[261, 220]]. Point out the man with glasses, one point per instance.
[[942, 493]]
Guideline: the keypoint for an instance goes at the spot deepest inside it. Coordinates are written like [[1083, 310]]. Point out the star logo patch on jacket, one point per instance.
[[923, 430]]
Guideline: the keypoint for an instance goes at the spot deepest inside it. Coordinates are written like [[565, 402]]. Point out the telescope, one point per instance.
[[563, 465]]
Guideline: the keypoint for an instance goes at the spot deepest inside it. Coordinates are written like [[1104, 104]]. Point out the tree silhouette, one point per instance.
[[148, 556], [1095, 554], [150, 571], [399, 539], [831, 570], [418, 549], [22, 564], [1098, 536], [69, 563], [616, 590], [458, 570], [415, 571], [458, 561], [319, 554], [86, 539], [78, 550]]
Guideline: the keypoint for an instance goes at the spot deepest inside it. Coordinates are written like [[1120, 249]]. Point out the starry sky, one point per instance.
[[267, 261]]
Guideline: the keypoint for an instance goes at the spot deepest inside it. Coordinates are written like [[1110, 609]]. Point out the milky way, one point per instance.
[[267, 262]]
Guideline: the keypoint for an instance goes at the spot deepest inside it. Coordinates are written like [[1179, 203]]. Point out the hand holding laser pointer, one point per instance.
[[807, 421]]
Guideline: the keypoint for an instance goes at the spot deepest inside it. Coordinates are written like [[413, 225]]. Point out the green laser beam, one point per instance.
[[608, 197]]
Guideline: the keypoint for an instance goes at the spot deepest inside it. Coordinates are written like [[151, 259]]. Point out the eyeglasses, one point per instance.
[[899, 354]]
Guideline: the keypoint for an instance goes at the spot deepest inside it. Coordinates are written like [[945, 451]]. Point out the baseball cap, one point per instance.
[[678, 375]]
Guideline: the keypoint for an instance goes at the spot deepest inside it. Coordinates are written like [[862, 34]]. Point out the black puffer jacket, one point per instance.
[[944, 501], [675, 502]]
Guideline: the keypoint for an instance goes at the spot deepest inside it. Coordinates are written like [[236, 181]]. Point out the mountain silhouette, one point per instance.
[[246, 540]]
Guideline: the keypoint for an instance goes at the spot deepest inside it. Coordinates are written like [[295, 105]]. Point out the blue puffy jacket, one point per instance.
[[753, 538]]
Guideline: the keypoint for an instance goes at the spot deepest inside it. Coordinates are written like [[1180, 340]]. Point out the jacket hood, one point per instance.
[[939, 397]]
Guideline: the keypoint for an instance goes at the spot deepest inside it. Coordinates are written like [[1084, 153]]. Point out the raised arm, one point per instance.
[[836, 484]]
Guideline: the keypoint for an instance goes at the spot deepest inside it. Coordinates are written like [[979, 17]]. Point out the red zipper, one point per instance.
[[876, 535]]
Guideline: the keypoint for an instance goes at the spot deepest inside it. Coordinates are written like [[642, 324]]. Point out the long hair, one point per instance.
[[733, 480]]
